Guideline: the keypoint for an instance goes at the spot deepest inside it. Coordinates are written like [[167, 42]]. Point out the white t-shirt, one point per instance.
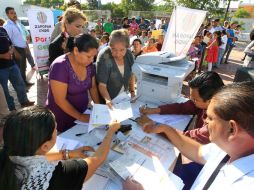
[[234, 176], [224, 40]]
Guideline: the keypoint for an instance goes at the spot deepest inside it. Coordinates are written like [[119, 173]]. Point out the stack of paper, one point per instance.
[[147, 170]]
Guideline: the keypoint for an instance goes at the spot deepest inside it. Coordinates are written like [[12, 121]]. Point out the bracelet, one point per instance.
[[66, 155]]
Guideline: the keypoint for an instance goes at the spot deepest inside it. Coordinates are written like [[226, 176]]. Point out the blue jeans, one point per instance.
[[13, 74], [228, 50], [220, 56]]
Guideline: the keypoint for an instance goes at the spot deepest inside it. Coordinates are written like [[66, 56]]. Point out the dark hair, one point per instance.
[[2, 21], [224, 32], [252, 35], [106, 34], [24, 132], [124, 19], [219, 41], [74, 4], [137, 40], [105, 37], [83, 42], [205, 32], [152, 39], [207, 84], [7, 9], [236, 102], [207, 25]]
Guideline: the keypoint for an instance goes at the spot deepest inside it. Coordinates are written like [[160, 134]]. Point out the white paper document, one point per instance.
[[63, 143], [146, 170], [102, 115], [169, 119], [122, 97]]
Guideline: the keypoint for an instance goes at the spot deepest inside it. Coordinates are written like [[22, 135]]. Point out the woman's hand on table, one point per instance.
[[131, 184], [80, 152], [109, 104], [84, 118]]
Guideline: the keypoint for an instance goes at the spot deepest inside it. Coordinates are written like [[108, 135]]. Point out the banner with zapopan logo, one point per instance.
[[41, 23], [184, 25]]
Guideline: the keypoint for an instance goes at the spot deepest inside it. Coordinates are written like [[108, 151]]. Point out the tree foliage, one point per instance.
[[92, 4], [241, 13], [45, 3], [116, 10], [211, 6]]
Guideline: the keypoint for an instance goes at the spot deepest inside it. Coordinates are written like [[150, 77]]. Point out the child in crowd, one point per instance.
[[213, 49], [159, 42], [149, 35], [143, 38], [195, 49], [151, 46], [222, 48], [103, 42]]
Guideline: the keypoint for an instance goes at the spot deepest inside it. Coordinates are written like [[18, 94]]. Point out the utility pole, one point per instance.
[[226, 14]]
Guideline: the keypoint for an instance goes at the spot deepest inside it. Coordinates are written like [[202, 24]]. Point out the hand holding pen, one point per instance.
[[144, 110]]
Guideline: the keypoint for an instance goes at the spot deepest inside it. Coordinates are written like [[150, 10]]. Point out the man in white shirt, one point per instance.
[[14, 31], [215, 26], [230, 118]]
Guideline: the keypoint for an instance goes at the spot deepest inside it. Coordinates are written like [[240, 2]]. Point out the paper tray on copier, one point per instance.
[[167, 59]]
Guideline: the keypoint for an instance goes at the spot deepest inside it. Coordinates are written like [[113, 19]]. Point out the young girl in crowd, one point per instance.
[[213, 50]]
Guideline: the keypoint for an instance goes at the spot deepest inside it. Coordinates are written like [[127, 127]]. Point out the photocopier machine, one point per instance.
[[160, 76]]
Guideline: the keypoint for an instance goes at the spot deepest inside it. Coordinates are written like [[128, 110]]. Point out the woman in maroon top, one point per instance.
[[71, 77]]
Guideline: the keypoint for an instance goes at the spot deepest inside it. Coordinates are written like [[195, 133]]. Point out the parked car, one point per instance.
[[24, 21]]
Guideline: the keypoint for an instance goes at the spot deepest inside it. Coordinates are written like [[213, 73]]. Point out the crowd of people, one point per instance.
[[98, 64], [214, 42]]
